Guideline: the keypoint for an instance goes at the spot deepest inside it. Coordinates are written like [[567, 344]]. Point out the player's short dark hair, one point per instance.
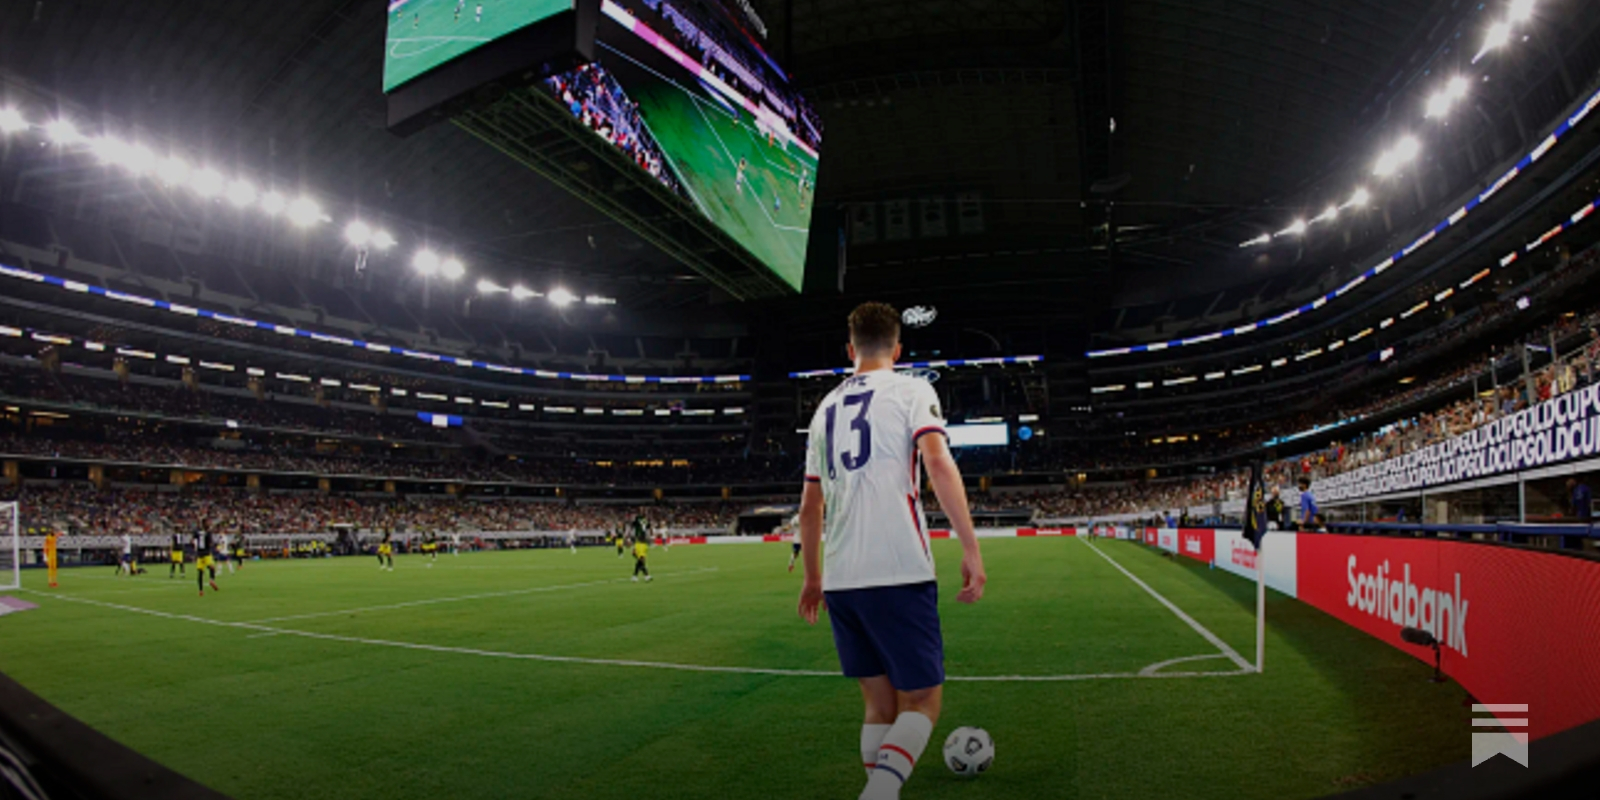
[[1304, 482], [874, 328]]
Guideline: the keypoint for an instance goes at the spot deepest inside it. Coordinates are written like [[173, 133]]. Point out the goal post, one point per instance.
[[10, 546]]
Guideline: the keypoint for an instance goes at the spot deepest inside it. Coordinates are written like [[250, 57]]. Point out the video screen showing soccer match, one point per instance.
[[683, 88], [426, 34]]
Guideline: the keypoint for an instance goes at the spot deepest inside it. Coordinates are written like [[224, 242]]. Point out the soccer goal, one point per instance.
[[10, 546]]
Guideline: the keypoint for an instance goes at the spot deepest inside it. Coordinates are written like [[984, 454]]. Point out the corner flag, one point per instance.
[[1255, 509]]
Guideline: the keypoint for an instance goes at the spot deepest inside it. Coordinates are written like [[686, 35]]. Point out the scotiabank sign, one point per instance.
[[1197, 544], [1515, 626]]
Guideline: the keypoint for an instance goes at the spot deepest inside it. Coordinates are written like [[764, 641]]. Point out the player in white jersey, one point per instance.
[[792, 528], [125, 563], [869, 440]]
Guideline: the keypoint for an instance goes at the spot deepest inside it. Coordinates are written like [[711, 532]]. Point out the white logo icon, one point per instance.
[[1510, 737], [919, 316]]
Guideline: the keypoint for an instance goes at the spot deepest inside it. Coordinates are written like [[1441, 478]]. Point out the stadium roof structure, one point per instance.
[[1020, 161]]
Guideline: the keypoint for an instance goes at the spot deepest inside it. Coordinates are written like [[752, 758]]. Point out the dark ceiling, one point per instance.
[[999, 109]]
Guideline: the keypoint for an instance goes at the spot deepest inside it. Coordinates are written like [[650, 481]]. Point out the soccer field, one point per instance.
[[544, 674], [705, 141], [426, 33]]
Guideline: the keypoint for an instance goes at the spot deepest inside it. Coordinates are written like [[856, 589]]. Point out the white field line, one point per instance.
[[1232, 654], [749, 183], [262, 631], [464, 597]]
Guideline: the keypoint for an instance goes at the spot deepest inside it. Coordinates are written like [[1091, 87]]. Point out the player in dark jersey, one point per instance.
[[204, 561], [176, 567], [386, 551]]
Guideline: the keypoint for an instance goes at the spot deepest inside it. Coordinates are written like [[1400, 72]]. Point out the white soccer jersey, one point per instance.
[[863, 452]]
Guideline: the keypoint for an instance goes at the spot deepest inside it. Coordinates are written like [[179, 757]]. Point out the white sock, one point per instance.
[[871, 739], [898, 754]]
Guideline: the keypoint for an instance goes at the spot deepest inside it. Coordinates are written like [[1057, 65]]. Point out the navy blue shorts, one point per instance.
[[890, 630], [797, 547]]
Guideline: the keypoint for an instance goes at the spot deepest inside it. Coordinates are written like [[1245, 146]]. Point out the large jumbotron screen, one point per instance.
[[684, 88], [426, 34]]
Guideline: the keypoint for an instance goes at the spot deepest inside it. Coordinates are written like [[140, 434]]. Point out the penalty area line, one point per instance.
[[1229, 652], [262, 631], [465, 597]]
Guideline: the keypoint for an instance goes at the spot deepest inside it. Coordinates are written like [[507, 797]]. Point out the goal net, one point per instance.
[[10, 546]]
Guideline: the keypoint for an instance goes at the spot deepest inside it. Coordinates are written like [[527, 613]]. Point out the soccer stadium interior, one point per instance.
[[1266, 336]]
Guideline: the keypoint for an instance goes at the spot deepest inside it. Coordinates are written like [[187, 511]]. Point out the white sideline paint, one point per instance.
[[460, 598], [1232, 654], [261, 631], [1154, 669]]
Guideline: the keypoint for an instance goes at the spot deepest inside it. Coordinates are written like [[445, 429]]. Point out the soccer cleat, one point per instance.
[[635, 579], [214, 587], [648, 578], [202, 593]]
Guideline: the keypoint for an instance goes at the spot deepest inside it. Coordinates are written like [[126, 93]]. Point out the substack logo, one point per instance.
[[1508, 737]]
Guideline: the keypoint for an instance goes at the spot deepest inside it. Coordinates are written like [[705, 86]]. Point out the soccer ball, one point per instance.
[[969, 752]]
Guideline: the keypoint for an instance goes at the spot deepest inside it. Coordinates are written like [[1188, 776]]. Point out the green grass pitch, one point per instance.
[[426, 33], [330, 678], [769, 215]]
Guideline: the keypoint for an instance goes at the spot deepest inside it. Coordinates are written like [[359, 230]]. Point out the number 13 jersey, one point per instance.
[[863, 452]]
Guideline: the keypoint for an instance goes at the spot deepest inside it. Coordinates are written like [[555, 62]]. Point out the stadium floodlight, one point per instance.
[[107, 149], [1521, 10], [1328, 214], [241, 194], [304, 212], [561, 297], [273, 203], [207, 183], [63, 132], [597, 300], [358, 233], [1441, 101], [426, 262], [452, 269], [1262, 239], [382, 240], [12, 121], [486, 286], [1295, 228], [1438, 105], [1497, 36], [1359, 197], [139, 160], [1403, 152], [523, 293]]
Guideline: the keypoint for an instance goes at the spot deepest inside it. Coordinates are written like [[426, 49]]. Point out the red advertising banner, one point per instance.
[[1150, 536], [1047, 531], [1514, 626], [1198, 544]]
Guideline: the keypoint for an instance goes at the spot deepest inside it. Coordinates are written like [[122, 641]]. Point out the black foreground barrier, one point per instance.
[[1566, 765], [46, 754]]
